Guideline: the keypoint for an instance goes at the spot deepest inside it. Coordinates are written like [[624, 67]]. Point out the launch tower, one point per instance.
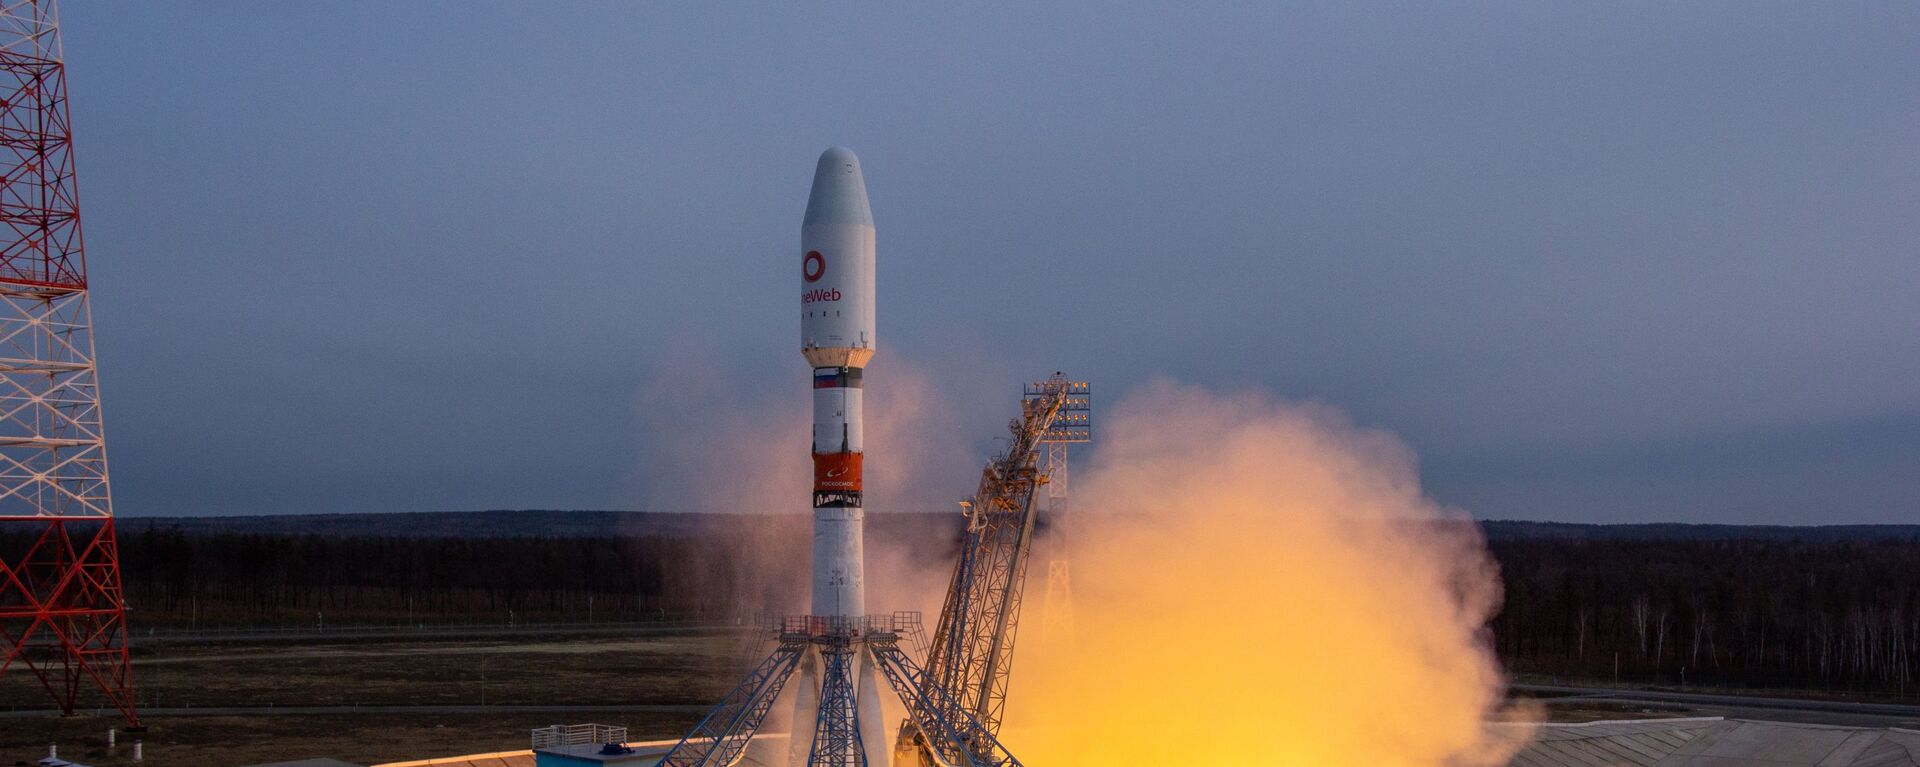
[[62, 618]]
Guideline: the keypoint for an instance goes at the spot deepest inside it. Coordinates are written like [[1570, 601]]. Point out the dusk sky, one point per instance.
[[1599, 262]]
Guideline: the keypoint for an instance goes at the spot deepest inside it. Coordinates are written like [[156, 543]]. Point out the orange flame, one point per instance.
[[1261, 583]]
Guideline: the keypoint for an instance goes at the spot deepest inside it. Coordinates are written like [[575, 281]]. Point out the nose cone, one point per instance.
[[839, 191]]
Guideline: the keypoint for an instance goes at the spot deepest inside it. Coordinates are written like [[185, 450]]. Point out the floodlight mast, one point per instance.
[[1073, 427]]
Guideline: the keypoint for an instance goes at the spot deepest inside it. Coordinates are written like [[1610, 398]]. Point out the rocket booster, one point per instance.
[[837, 337]]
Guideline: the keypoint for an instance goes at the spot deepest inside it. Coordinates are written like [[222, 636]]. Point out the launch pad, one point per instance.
[[955, 689], [955, 699], [937, 722], [847, 720]]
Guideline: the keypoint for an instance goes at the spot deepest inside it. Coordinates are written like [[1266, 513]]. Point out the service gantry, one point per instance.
[[971, 661]]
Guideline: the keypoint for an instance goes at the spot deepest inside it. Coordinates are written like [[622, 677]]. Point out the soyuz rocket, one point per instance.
[[837, 337]]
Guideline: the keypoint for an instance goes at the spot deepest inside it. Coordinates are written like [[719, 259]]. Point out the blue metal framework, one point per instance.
[[720, 739], [836, 733], [940, 724]]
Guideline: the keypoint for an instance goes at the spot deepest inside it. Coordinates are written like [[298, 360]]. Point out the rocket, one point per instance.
[[837, 337]]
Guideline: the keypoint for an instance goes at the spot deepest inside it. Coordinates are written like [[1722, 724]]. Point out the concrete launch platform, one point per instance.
[[1688, 742], [1717, 742]]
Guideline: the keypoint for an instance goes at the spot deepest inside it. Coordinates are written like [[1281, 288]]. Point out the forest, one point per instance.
[[1807, 612]]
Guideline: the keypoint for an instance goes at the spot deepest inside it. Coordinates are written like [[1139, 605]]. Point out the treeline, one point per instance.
[[1812, 613], [173, 578], [177, 579], [736, 569], [1809, 614]]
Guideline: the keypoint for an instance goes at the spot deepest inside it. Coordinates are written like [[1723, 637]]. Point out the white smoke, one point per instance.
[[1262, 582]]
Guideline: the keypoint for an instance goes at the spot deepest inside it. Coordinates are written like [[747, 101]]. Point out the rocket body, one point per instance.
[[837, 338]]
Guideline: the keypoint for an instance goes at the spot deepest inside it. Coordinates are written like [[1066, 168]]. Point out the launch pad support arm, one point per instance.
[[722, 737], [952, 734]]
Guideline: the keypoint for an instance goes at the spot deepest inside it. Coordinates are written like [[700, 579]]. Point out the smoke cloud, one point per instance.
[[717, 436], [1258, 582], [1254, 581]]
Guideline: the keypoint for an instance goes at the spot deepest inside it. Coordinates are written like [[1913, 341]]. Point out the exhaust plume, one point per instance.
[[1258, 582], [718, 437]]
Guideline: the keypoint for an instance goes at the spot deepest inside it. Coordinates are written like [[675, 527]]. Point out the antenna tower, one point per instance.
[[62, 618]]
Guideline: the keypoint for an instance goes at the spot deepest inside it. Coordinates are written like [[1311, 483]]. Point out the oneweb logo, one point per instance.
[[814, 266], [820, 294]]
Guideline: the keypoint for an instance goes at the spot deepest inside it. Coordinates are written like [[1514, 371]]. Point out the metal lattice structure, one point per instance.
[[562, 735], [940, 724], [37, 199], [1073, 426], [62, 613], [971, 659], [956, 702], [722, 737], [836, 732]]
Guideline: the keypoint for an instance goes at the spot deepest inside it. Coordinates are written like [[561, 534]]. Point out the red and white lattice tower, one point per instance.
[[62, 618]]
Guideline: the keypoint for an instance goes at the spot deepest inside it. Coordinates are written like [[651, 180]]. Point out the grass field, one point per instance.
[[381, 700], [370, 700]]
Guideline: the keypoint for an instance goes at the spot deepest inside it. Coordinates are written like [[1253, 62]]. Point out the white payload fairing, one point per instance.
[[837, 337]]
